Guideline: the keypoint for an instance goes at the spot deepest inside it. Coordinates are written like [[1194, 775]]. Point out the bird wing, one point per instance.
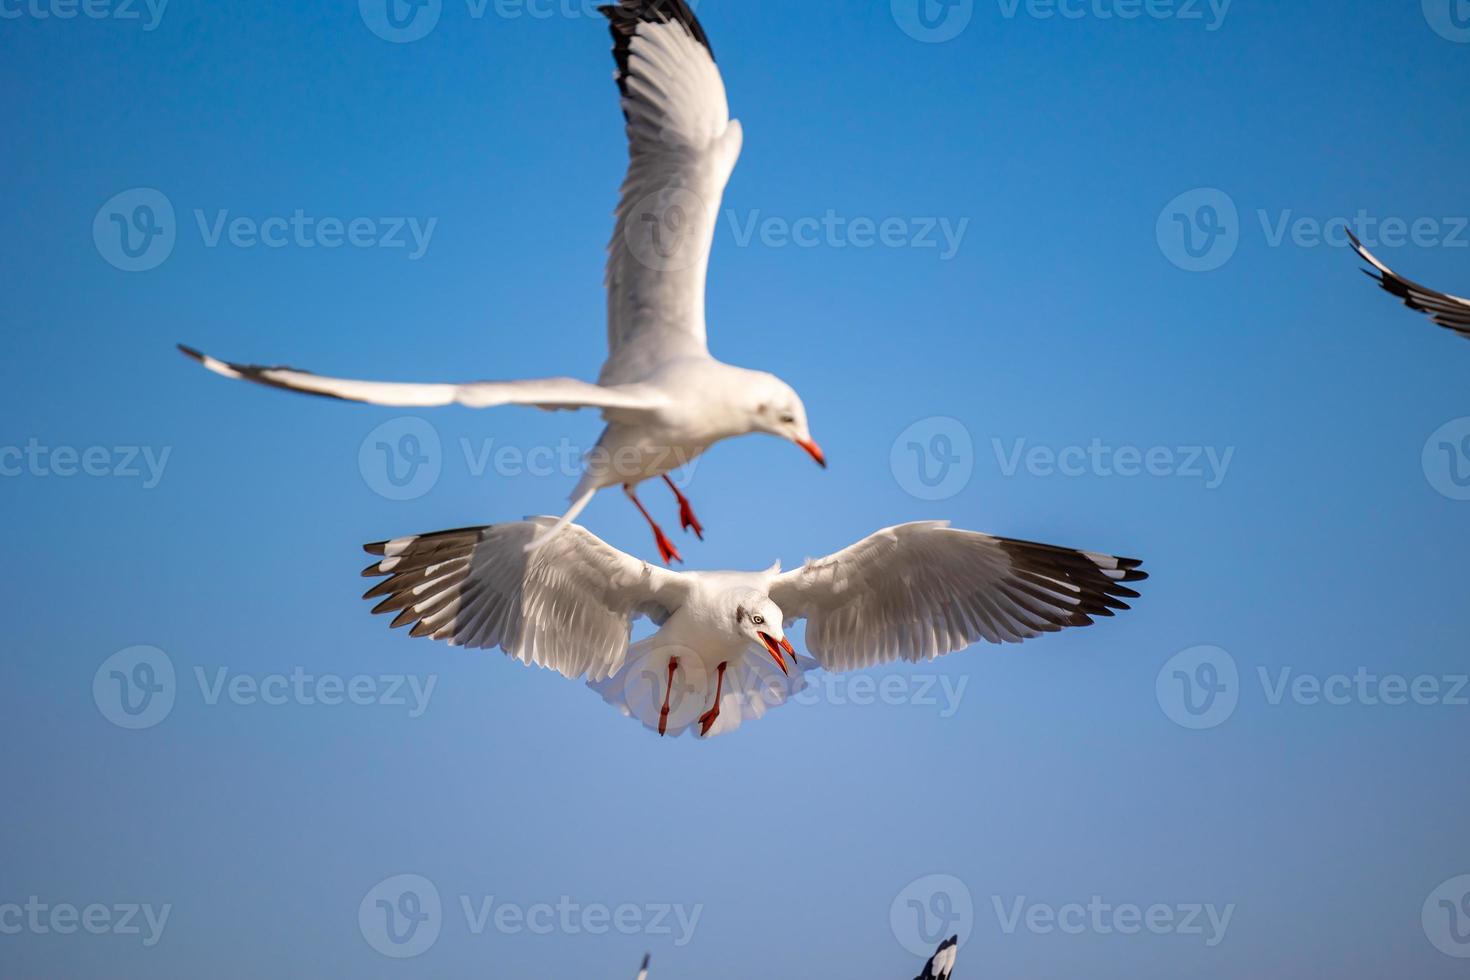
[[547, 393], [1451, 312], [682, 146], [918, 591], [568, 606], [643, 970], [941, 964]]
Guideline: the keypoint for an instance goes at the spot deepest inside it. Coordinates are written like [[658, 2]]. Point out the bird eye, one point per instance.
[[758, 620], [788, 419]]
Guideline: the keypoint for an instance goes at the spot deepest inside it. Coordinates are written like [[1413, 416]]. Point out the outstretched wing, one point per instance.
[[682, 146], [568, 606], [548, 393], [941, 964], [1448, 311], [919, 591]]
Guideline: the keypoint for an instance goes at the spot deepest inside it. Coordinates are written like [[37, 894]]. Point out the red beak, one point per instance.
[[774, 649], [813, 450]]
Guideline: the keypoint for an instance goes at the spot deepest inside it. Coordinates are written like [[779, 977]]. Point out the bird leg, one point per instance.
[[707, 720], [687, 520], [666, 548], [663, 715]]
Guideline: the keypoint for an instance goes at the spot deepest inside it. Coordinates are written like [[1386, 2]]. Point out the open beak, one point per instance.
[[774, 649], [814, 451]]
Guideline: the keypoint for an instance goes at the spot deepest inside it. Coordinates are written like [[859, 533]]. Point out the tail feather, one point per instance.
[[752, 686], [581, 498]]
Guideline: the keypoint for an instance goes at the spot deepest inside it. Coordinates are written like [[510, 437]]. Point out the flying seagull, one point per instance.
[[913, 592], [941, 964], [664, 398], [1448, 311]]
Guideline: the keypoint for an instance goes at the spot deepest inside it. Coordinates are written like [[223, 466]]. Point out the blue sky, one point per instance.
[[1285, 426]]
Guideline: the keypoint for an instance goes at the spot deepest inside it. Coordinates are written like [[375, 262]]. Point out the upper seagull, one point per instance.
[[913, 592], [664, 398], [1450, 312]]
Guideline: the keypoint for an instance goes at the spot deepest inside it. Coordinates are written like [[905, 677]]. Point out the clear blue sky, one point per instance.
[[1062, 319]]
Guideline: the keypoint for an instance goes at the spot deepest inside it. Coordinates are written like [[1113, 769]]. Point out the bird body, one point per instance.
[[720, 654]]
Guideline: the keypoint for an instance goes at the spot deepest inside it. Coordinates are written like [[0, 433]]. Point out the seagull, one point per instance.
[[913, 592], [941, 964], [664, 398], [1450, 312]]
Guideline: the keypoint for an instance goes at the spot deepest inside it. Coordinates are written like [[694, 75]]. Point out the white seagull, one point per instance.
[[913, 592], [1450, 312], [941, 964], [664, 398]]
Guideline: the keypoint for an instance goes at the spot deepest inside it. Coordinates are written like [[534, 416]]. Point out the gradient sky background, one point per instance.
[[1061, 320]]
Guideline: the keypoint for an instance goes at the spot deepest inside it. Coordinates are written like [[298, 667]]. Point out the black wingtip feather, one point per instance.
[[625, 16], [929, 973], [190, 352]]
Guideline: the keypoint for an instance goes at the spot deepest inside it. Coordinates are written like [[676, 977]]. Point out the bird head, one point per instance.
[[778, 410], [760, 620]]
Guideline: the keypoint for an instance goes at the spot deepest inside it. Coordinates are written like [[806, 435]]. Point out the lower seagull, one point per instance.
[[913, 592]]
